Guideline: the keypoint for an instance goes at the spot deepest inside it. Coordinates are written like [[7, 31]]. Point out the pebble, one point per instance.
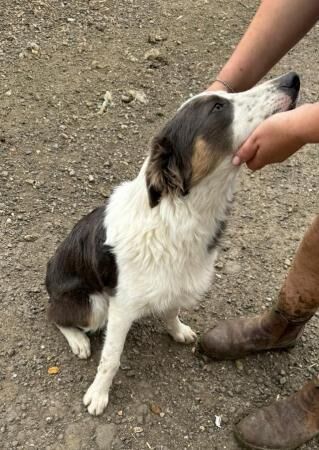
[[239, 365], [132, 95], [152, 54], [33, 48], [156, 409], [155, 57], [30, 237], [91, 179], [154, 38]]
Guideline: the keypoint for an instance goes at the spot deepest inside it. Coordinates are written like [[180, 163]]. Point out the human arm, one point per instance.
[[276, 27], [280, 136]]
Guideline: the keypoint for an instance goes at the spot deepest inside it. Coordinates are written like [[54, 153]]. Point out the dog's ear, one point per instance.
[[165, 172]]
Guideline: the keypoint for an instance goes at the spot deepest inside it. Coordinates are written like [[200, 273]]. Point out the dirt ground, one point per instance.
[[60, 158]]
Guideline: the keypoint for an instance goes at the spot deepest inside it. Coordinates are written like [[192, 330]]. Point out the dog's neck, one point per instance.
[[182, 220], [206, 202]]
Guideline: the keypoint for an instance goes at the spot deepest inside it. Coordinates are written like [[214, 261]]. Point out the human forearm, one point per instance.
[[306, 122], [277, 26]]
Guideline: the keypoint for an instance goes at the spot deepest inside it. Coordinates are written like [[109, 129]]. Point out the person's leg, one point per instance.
[[282, 326], [285, 424]]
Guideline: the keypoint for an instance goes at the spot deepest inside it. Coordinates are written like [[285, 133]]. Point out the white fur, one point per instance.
[[162, 252], [77, 340]]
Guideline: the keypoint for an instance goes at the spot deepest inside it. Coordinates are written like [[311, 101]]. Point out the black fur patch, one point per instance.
[[221, 227], [82, 265], [213, 243]]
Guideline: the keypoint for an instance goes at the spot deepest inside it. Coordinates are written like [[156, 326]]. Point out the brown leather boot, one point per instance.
[[233, 339], [281, 327], [284, 425]]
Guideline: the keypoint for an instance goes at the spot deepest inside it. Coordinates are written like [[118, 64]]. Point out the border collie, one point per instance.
[[152, 248]]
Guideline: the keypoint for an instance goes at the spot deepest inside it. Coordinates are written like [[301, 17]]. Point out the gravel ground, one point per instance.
[[62, 151]]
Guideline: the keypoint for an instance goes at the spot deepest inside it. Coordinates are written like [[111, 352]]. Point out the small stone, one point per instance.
[[71, 173], [132, 95], [152, 54], [138, 430], [156, 409], [239, 365], [97, 65], [127, 98], [33, 48], [30, 237], [153, 38], [48, 420], [5, 173], [156, 58], [91, 179], [283, 380]]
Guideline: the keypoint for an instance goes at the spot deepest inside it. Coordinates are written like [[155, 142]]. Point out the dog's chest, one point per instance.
[[162, 274]]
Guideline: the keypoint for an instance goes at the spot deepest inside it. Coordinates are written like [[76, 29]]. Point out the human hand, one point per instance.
[[273, 141]]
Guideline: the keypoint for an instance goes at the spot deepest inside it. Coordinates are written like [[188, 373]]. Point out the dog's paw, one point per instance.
[[80, 344], [96, 400], [183, 334]]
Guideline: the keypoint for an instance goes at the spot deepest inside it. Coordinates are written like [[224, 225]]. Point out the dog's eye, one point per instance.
[[218, 107]]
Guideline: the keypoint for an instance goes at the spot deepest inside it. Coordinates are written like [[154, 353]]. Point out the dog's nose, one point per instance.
[[290, 81]]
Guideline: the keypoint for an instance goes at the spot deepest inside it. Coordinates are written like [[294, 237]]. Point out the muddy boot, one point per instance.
[[281, 327], [284, 425], [233, 339]]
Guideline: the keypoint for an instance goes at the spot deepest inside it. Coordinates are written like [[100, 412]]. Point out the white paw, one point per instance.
[[96, 400], [184, 334], [80, 344]]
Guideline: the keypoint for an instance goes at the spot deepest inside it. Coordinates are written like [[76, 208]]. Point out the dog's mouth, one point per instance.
[[293, 103], [290, 85], [287, 104]]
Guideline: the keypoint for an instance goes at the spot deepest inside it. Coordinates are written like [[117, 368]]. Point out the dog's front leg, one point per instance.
[[178, 330], [119, 323]]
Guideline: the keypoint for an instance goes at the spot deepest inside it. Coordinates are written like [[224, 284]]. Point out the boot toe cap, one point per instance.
[[213, 343]]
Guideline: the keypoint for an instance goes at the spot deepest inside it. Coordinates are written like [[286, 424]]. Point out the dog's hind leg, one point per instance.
[[178, 330], [78, 341], [77, 313]]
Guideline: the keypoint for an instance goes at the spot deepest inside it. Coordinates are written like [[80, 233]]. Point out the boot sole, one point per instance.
[[201, 350]]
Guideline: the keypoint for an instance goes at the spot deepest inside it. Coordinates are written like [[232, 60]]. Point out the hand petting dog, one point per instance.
[[277, 138]]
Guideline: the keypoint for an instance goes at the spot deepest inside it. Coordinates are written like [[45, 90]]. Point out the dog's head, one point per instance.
[[208, 129]]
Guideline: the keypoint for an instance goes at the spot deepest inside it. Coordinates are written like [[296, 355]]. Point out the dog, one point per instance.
[[152, 248]]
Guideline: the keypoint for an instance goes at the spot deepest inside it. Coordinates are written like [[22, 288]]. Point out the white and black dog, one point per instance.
[[152, 248]]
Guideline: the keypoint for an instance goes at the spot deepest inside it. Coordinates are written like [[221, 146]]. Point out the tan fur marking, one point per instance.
[[204, 160]]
